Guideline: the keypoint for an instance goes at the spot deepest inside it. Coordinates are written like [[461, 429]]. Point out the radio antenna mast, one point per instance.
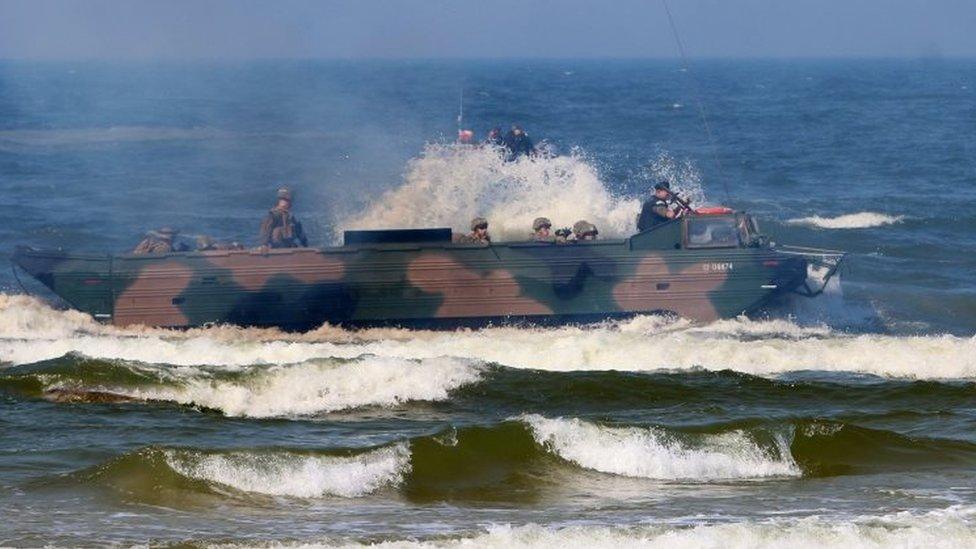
[[698, 99]]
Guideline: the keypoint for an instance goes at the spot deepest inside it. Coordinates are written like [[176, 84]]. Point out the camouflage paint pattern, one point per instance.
[[442, 284]]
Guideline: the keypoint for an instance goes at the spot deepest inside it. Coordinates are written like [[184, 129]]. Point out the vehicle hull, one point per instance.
[[445, 285]]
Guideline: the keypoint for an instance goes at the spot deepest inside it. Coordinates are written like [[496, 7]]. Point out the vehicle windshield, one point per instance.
[[713, 232]]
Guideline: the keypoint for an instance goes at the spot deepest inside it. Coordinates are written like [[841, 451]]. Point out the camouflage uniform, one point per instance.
[[584, 230], [474, 237], [157, 242], [280, 229], [537, 226]]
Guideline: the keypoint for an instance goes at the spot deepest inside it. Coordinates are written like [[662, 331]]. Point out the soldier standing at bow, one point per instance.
[[280, 229]]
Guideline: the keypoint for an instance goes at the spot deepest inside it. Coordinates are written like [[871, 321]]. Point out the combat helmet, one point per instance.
[[167, 233], [479, 222], [583, 227], [541, 222], [284, 193]]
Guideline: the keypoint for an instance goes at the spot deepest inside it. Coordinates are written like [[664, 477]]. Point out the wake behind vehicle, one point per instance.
[[703, 266]]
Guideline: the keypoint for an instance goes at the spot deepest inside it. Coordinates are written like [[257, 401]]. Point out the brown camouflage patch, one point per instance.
[[470, 293], [149, 299], [654, 286], [253, 270]]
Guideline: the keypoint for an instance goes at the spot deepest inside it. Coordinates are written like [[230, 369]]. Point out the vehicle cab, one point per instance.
[[705, 228]]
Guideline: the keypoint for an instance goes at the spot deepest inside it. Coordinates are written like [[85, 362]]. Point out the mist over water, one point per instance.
[[843, 421]]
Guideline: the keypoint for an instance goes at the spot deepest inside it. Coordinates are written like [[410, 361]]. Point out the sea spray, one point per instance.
[[447, 185], [860, 220]]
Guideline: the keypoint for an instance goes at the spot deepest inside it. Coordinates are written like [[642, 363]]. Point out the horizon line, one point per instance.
[[207, 59]]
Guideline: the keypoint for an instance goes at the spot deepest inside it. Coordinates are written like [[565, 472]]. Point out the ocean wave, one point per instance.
[[646, 343], [294, 474], [311, 387], [949, 527], [526, 458], [860, 220], [171, 475], [656, 454]]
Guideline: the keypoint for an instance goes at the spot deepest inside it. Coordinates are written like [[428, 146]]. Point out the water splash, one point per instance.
[[860, 220], [448, 185]]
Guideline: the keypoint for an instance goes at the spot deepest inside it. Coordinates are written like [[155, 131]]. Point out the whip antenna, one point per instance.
[[460, 118], [698, 99]]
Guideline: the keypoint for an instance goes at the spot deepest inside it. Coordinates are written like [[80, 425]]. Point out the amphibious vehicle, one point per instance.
[[703, 266]]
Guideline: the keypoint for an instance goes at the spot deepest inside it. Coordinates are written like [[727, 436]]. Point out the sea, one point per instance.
[[848, 420]]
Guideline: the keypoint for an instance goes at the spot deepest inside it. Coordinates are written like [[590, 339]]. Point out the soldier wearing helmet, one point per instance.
[[158, 242], [542, 230], [584, 230], [478, 234], [280, 229], [518, 143]]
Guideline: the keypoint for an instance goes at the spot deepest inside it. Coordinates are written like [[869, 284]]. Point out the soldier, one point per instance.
[[495, 138], [478, 234], [656, 210], [157, 242], [518, 143], [541, 230], [584, 230], [280, 229], [205, 243]]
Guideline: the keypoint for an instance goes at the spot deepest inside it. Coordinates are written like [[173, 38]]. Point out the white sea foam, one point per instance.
[[296, 475], [860, 220], [949, 528], [647, 343], [655, 454], [311, 387], [457, 183]]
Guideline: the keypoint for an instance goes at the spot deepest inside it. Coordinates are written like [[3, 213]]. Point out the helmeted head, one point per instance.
[[517, 130], [204, 242], [662, 189], [541, 223], [584, 230], [167, 233], [479, 224], [284, 193]]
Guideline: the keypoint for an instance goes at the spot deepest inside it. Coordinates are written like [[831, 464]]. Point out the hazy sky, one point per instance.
[[482, 28]]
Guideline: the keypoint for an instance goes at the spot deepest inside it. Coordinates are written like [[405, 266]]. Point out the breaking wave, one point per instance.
[[524, 458], [860, 220], [949, 527], [457, 183], [159, 474], [656, 454], [295, 474], [33, 333], [317, 386]]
